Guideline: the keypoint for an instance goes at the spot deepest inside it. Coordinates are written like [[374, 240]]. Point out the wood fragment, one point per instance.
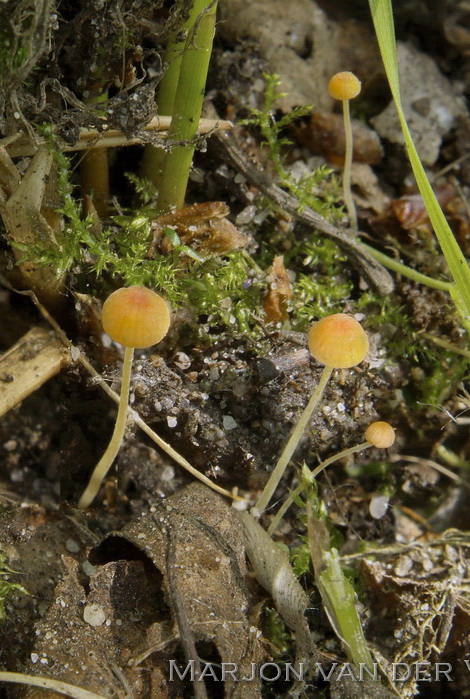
[[113, 138], [26, 366], [276, 301]]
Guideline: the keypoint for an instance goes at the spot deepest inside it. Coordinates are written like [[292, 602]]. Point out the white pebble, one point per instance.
[[229, 423], [72, 546], [94, 614], [378, 506]]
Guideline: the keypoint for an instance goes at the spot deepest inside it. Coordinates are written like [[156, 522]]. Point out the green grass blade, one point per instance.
[[382, 16], [187, 105], [154, 157]]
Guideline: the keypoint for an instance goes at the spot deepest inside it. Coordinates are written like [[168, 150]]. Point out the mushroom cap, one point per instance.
[[338, 341], [136, 317], [380, 434], [344, 86]]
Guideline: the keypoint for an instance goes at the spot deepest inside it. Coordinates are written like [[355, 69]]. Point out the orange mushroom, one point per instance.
[[345, 86], [379, 434], [338, 342], [135, 317]]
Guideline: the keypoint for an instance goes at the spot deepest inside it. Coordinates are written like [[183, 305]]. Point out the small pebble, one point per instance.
[[72, 546], [229, 423], [94, 614], [88, 568], [378, 506]]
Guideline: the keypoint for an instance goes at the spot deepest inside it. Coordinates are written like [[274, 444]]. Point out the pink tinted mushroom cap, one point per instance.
[[136, 317], [338, 341]]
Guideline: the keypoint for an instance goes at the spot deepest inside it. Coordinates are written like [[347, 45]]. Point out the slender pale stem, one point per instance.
[[69, 690], [347, 196], [105, 463], [291, 445], [314, 473]]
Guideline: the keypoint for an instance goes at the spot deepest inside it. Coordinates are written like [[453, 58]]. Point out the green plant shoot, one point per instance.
[[382, 16], [187, 104]]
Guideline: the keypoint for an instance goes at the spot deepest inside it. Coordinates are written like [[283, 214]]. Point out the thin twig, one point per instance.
[[375, 272], [113, 138], [69, 690]]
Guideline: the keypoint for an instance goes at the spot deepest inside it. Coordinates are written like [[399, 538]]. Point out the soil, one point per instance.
[[155, 571]]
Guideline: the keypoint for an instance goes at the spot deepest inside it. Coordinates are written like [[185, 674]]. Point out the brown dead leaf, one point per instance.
[[410, 209], [165, 582], [195, 541], [202, 226], [276, 301]]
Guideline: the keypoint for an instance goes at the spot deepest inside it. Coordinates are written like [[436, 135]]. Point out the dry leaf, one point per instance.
[[275, 303], [202, 226]]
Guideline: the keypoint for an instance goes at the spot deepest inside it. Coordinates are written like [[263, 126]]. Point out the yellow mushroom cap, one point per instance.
[[344, 86], [338, 341], [380, 434], [136, 317]]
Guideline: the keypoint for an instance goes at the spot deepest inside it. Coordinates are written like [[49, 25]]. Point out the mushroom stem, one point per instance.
[[313, 474], [347, 196], [105, 463], [291, 445]]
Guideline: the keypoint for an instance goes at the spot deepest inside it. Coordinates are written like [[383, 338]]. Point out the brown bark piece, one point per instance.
[[196, 541], [275, 303], [26, 366]]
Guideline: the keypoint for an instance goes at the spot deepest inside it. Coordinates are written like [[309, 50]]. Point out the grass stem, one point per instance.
[[187, 105]]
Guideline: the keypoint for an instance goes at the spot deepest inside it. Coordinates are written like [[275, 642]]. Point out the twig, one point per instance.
[[46, 683], [375, 273], [113, 138]]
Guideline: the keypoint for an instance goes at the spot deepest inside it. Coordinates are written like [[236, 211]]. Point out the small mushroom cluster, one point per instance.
[[338, 342], [137, 317]]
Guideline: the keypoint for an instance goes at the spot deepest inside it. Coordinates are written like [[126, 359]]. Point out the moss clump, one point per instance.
[[222, 287], [318, 189], [7, 587]]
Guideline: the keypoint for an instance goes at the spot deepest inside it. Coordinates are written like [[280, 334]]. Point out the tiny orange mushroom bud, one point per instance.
[[338, 341], [344, 86], [136, 317], [380, 434]]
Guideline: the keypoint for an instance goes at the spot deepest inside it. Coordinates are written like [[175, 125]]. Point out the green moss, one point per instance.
[[223, 288], [441, 374], [319, 189], [386, 316], [275, 631], [7, 587]]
